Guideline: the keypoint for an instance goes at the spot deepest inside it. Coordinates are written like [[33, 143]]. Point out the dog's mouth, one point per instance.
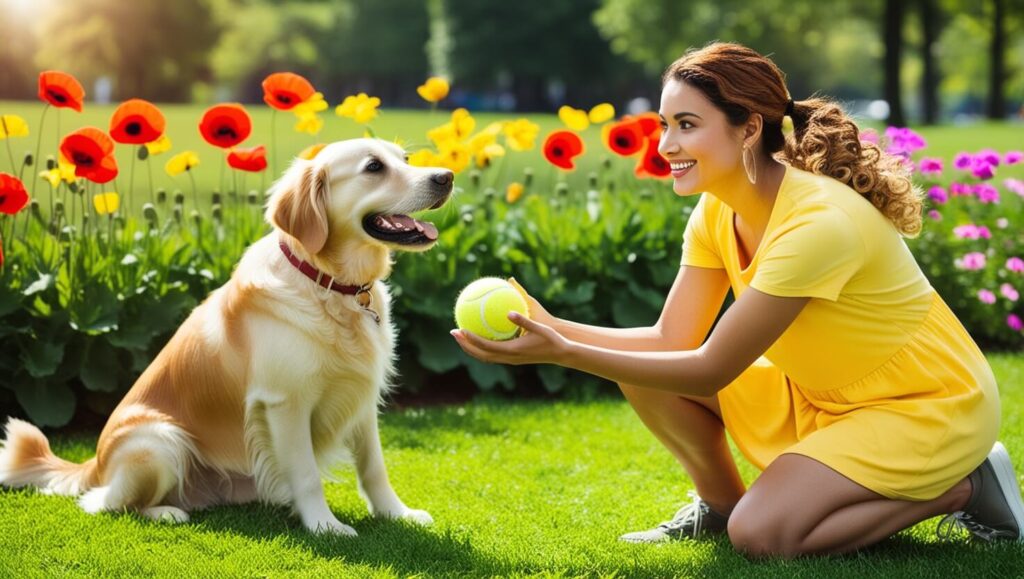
[[400, 229]]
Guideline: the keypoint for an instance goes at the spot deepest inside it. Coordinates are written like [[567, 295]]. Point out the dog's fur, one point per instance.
[[273, 379]]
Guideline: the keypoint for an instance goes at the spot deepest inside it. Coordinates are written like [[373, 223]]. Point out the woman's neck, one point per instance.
[[753, 203]]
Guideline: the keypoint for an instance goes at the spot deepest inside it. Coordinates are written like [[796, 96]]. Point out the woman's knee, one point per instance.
[[756, 531]]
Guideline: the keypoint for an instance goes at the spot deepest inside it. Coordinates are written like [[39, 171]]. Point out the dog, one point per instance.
[[278, 375]]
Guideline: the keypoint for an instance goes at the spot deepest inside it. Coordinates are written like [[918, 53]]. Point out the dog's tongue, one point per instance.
[[406, 223]]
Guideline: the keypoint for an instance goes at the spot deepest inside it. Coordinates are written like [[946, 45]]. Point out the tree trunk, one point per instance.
[[996, 108], [893, 36], [930, 21]]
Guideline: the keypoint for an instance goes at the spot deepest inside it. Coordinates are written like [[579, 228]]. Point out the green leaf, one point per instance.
[[41, 356], [554, 377], [10, 300], [487, 376], [47, 404], [633, 313], [99, 368], [98, 312], [437, 353]]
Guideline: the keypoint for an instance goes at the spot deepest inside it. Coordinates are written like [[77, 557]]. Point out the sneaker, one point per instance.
[[995, 509], [690, 522]]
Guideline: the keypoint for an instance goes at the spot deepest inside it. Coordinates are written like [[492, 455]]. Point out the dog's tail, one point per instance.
[[26, 460]]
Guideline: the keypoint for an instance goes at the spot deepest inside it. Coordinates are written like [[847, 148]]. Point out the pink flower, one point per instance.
[[971, 231], [986, 297], [869, 136], [938, 195], [1015, 185], [986, 193], [1013, 157], [960, 189], [1015, 264], [1009, 292], [963, 161], [972, 261], [903, 141], [989, 156], [934, 215], [1014, 322], [931, 166], [982, 169]]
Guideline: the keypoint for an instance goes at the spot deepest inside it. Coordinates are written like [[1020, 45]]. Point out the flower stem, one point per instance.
[[39, 145], [273, 140]]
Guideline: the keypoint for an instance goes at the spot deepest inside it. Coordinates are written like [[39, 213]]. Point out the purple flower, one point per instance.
[[960, 189], [938, 195], [1015, 264], [1014, 322], [989, 155], [1013, 157], [986, 297], [1015, 185], [971, 231], [903, 141], [934, 215], [982, 169], [986, 193], [972, 261], [931, 166], [1009, 292], [869, 136], [963, 161]]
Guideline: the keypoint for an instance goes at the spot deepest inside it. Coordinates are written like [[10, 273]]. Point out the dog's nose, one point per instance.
[[443, 179]]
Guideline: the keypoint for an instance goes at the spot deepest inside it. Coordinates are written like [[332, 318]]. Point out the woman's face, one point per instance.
[[703, 149]]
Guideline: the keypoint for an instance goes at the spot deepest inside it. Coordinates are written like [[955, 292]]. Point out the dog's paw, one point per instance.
[[417, 516], [165, 514], [332, 526]]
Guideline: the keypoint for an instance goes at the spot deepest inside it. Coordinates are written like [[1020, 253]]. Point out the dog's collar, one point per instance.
[[321, 278]]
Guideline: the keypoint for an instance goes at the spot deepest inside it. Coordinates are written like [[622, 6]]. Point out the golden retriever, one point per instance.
[[276, 377]]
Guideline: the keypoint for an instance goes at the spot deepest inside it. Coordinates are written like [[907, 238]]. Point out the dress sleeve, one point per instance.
[[814, 254], [699, 247]]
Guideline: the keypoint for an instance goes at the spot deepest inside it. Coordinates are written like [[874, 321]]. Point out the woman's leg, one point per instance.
[[799, 506], [692, 430]]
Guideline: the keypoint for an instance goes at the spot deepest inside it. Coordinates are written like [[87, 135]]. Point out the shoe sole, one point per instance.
[[1007, 480]]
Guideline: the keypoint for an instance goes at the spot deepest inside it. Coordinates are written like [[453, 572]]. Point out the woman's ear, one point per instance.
[[298, 205], [752, 129]]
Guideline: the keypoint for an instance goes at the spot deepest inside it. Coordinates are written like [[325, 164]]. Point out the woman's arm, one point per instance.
[[692, 305], [747, 330]]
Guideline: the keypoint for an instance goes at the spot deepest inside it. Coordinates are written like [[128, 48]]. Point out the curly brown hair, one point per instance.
[[825, 140]]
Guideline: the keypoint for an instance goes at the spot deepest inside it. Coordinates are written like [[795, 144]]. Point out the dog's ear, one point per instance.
[[299, 205]]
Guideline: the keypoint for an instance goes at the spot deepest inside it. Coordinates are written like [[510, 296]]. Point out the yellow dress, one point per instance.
[[876, 378]]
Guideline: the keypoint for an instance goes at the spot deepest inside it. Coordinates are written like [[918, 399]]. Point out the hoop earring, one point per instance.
[[750, 165]]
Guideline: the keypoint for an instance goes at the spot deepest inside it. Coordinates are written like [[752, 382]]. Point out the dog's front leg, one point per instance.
[[289, 425], [374, 485]]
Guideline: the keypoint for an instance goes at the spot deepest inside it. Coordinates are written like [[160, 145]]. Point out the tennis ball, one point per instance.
[[483, 307]]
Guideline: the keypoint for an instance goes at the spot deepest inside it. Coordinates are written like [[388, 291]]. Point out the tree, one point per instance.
[[893, 35], [930, 27], [996, 108]]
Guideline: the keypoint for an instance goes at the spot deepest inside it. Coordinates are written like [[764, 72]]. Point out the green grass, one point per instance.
[[517, 489]]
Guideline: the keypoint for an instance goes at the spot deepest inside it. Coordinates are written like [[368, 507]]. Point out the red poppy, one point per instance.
[[13, 196], [253, 160], [61, 90], [284, 90], [137, 122], [561, 147], [624, 138], [650, 124], [652, 164], [226, 125], [92, 153]]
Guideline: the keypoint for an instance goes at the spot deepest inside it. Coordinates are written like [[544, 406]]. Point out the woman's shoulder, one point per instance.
[[806, 191]]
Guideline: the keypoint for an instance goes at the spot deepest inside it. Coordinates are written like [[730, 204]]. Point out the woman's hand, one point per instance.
[[537, 311], [541, 344]]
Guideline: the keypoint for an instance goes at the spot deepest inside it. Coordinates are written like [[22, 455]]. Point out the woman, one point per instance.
[[838, 370]]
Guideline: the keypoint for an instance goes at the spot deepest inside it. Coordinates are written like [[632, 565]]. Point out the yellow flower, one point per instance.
[[181, 162], [309, 123], [520, 134], [12, 126], [311, 106], [63, 171], [442, 135], [360, 108], [601, 113], [106, 203], [311, 151], [463, 122], [433, 90], [487, 154], [513, 192], [480, 140], [454, 156], [575, 119], [52, 176], [423, 158], [161, 145]]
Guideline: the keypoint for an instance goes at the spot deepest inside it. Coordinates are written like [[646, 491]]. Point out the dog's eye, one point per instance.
[[374, 166]]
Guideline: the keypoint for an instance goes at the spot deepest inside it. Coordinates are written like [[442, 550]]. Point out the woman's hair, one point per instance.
[[739, 82]]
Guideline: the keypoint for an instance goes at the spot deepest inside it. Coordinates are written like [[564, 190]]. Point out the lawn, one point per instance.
[[536, 488]]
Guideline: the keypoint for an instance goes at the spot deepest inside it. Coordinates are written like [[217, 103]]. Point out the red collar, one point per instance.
[[321, 278]]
